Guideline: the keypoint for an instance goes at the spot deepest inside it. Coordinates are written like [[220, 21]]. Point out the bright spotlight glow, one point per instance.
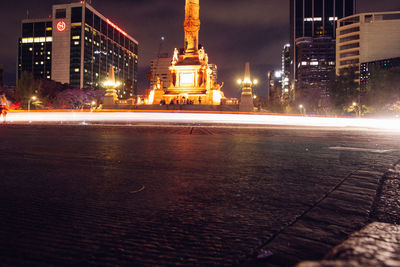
[[239, 81], [255, 82], [247, 81]]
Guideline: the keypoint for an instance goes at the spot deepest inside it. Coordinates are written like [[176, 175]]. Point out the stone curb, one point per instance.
[[377, 244]]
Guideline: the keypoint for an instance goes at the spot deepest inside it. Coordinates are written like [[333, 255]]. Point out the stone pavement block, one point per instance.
[[345, 206], [291, 249], [318, 231], [378, 244], [349, 221]]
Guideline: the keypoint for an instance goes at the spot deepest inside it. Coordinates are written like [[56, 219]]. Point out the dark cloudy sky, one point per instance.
[[232, 31]]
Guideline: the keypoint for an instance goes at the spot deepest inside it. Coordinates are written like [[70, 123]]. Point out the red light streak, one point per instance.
[[116, 27]]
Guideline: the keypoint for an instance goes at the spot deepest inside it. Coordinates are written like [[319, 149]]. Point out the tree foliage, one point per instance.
[[78, 98], [344, 89], [26, 87], [383, 90]]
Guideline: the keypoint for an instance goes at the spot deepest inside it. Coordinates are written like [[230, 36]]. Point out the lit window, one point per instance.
[[76, 37], [49, 28], [76, 70], [41, 62], [49, 39], [48, 77], [314, 63], [76, 43], [36, 63], [30, 48], [304, 63], [48, 52]]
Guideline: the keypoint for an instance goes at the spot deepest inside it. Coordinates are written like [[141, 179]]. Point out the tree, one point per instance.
[[383, 89], [78, 98], [26, 87], [344, 90]]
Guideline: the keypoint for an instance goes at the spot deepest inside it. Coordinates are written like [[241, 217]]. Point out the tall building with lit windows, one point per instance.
[[77, 45], [311, 20]]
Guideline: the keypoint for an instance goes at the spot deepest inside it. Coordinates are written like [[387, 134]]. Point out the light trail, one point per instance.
[[201, 118]]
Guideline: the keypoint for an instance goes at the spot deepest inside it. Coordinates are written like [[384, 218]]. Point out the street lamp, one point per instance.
[[302, 109], [356, 109], [29, 102]]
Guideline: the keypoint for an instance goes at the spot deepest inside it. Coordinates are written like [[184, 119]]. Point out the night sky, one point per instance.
[[232, 31]]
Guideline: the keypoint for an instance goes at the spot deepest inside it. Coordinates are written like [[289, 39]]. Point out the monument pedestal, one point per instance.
[[111, 97], [246, 102]]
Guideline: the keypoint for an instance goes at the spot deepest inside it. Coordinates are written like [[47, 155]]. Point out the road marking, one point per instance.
[[359, 149]]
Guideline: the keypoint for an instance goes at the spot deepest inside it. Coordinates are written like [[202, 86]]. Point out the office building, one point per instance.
[[316, 63], [274, 87], [368, 39], [78, 45], [366, 67], [314, 19], [159, 67], [286, 61], [310, 18]]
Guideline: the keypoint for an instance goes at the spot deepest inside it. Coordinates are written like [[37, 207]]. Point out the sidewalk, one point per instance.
[[363, 197], [378, 244]]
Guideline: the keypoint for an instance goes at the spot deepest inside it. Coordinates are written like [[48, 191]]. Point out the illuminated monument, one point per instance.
[[246, 101], [191, 76]]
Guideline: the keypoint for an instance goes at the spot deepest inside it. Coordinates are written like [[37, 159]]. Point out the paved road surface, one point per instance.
[[113, 195]]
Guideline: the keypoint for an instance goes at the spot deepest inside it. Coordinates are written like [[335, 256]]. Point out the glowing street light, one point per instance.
[[29, 102], [302, 109]]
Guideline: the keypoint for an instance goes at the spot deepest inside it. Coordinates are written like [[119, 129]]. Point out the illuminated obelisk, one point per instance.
[[192, 79], [246, 101], [192, 27]]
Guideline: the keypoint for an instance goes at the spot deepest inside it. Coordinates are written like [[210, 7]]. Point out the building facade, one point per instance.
[[316, 65], [159, 67], [275, 89], [365, 39], [286, 62], [310, 18], [312, 25], [365, 69], [78, 45]]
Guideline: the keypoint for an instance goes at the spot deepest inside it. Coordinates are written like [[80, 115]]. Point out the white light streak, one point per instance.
[[199, 118]]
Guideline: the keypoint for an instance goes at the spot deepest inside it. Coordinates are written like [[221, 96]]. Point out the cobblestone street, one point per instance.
[[120, 195]]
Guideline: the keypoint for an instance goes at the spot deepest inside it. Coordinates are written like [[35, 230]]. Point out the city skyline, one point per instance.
[[254, 36]]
